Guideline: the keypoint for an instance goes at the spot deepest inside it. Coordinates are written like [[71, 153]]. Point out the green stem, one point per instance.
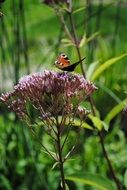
[[76, 42], [92, 105], [60, 160], [109, 162]]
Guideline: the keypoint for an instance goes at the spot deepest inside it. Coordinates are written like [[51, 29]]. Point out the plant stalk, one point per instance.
[[109, 162], [61, 162], [92, 105], [76, 42]]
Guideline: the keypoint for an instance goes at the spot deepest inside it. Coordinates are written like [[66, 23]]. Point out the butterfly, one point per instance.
[[64, 63]]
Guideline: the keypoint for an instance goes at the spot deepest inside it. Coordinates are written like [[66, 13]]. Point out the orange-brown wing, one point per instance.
[[62, 61]]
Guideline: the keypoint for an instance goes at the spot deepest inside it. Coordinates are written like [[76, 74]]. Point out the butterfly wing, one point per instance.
[[62, 61], [71, 68]]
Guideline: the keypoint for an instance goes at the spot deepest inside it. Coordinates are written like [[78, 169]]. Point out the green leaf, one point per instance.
[[96, 121], [91, 69], [67, 42], [106, 65], [11, 146], [20, 167], [105, 126], [86, 126], [86, 40], [77, 122], [50, 153], [80, 9], [94, 35], [108, 91], [67, 187], [94, 180], [117, 109], [125, 178], [83, 40], [55, 164]]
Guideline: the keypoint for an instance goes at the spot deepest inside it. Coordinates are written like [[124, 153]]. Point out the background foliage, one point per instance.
[[31, 37]]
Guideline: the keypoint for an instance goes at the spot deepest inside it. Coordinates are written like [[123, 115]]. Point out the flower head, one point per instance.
[[50, 93]]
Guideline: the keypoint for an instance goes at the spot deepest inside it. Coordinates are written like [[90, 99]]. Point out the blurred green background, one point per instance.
[[31, 36]]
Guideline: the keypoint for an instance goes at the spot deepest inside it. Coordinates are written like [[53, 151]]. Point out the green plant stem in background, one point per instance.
[[109, 162], [75, 39]]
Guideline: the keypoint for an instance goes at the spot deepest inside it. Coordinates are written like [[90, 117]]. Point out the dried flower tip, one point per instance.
[[82, 112]]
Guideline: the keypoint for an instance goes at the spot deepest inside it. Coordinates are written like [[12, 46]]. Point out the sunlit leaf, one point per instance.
[[91, 69], [96, 121], [94, 180], [93, 36], [50, 153], [82, 41], [86, 126], [67, 187], [55, 164], [106, 65], [20, 167], [105, 126], [116, 110], [68, 154], [80, 9], [67, 42], [77, 122], [11, 146], [86, 40]]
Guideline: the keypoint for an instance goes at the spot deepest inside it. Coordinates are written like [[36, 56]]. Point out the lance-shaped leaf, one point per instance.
[[106, 65]]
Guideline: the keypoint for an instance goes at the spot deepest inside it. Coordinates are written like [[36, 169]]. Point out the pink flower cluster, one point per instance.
[[50, 93]]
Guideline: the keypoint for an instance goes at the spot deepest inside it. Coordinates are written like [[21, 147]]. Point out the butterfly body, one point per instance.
[[64, 63]]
